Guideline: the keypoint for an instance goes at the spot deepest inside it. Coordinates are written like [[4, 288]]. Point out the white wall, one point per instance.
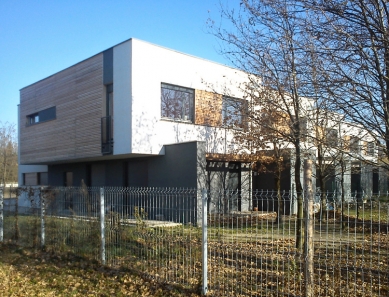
[[122, 98], [152, 65]]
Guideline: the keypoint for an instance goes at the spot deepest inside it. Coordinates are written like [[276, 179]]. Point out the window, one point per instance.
[[332, 137], [42, 116], [233, 112], [177, 102], [33, 119], [68, 179], [370, 148], [354, 144], [303, 128], [35, 179]]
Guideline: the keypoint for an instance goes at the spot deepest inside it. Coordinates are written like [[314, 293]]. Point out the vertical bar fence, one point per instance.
[[220, 243]]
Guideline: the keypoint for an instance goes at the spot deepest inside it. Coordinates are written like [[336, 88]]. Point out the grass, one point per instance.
[[28, 272], [246, 257]]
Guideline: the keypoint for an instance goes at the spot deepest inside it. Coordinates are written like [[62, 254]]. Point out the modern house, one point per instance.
[[135, 115]]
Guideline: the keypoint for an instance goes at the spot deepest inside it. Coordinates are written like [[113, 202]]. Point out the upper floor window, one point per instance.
[[370, 150], [33, 119], [233, 112], [332, 137], [42, 116], [354, 144], [177, 102]]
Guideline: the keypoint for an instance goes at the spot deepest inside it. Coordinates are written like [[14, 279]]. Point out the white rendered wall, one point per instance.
[[122, 98], [152, 65]]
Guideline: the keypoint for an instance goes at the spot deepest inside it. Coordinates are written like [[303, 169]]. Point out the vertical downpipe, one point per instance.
[[102, 226], [204, 241]]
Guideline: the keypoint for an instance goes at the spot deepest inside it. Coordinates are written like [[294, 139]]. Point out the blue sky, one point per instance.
[[42, 37]]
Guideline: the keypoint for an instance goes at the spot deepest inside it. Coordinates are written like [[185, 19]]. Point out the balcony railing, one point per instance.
[[107, 135]]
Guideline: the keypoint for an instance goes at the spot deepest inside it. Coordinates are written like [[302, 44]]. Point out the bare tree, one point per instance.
[[8, 153], [266, 43], [264, 139], [353, 40]]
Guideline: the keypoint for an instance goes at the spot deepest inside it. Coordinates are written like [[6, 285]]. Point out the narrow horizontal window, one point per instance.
[[42, 116]]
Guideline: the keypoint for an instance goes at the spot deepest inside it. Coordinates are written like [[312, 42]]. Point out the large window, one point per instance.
[[354, 144], [233, 111], [332, 137], [42, 116], [177, 102]]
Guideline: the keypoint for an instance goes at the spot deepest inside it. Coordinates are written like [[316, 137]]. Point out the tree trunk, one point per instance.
[[300, 210]]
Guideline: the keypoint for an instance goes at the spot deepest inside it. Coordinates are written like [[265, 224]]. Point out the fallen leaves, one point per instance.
[[25, 272]]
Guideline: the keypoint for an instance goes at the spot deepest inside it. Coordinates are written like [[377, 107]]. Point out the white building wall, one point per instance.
[[122, 84], [152, 65]]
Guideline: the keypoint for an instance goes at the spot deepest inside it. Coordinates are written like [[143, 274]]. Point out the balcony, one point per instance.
[[107, 135]]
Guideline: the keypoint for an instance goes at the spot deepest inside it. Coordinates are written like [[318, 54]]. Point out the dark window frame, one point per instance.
[[39, 178], [370, 148], [177, 103], [354, 145], [45, 115]]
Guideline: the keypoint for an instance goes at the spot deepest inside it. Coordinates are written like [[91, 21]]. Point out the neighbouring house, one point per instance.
[[137, 115]]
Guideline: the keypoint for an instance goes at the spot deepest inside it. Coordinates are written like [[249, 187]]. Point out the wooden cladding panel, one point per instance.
[[208, 108], [78, 94]]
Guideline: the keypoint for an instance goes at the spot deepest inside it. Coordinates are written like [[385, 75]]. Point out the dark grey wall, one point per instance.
[[183, 165], [177, 168], [137, 173], [56, 173], [114, 173], [97, 173]]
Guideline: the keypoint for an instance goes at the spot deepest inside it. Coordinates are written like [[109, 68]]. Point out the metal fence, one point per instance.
[[226, 243]]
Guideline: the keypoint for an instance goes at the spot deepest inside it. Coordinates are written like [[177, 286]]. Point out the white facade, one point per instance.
[[139, 130], [139, 69]]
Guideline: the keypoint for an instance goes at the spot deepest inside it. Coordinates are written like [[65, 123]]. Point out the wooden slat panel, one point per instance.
[[78, 94], [208, 108]]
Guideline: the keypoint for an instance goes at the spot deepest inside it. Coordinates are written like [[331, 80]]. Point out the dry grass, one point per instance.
[[27, 272]]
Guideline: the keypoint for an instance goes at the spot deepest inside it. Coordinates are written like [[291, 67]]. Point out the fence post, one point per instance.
[[102, 226], [43, 229], [204, 254], [1, 215], [308, 251]]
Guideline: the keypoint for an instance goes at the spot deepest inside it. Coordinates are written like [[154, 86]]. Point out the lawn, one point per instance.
[[247, 256], [28, 272]]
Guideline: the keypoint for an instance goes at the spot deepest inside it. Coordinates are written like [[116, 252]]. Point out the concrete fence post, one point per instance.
[[308, 246], [204, 247], [102, 226], [1, 215], [43, 228]]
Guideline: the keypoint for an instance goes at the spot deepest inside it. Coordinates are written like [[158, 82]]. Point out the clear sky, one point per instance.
[[41, 37]]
